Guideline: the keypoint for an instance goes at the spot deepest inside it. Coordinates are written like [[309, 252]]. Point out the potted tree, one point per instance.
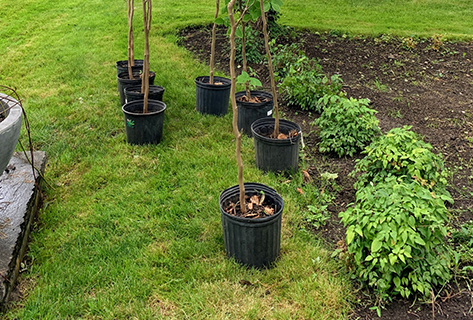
[[10, 125], [212, 92], [129, 72], [251, 213], [144, 118], [276, 141]]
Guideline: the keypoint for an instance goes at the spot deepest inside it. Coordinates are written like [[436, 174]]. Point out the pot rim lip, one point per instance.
[[151, 74], [248, 185], [121, 61], [255, 105], [158, 88], [243, 92], [287, 122], [223, 79], [14, 113], [163, 105]]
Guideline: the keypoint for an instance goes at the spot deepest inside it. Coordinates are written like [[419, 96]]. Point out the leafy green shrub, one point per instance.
[[285, 56], [302, 79], [395, 231], [254, 46], [397, 225], [346, 125], [462, 244], [306, 85], [402, 152]]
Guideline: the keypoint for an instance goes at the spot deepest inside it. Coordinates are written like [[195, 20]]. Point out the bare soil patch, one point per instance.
[[426, 84]]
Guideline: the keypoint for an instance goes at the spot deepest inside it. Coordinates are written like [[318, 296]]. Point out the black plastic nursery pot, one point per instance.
[[144, 128], [122, 66], [248, 112], [212, 98], [252, 242], [124, 82], [134, 93], [276, 154]]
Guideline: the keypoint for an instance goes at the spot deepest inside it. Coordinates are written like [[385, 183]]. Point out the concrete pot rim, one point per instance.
[[13, 113], [9, 130]]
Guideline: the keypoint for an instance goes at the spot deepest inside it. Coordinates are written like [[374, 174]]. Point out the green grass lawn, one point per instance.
[[134, 232]]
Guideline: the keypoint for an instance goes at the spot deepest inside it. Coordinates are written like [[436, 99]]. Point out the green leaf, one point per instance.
[[350, 234], [401, 257], [419, 241], [219, 21], [255, 82], [276, 7], [278, 3], [266, 6], [376, 245], [246, 18], [329, 176], [238, 32], [359, 230]]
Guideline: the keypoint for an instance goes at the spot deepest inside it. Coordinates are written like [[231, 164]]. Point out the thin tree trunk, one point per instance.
[[212, 46], [131, 54], [234, 106], [271, 72], [145, 79]]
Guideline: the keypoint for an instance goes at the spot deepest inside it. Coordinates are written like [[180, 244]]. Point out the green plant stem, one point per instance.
[[145, 79], [271, 71], [237, 133], [131, 56], [212, 46]]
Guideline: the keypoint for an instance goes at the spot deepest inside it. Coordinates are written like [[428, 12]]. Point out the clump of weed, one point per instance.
[[303, 82]]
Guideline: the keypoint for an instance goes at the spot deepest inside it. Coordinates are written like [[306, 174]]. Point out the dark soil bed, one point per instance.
[[409, 82]]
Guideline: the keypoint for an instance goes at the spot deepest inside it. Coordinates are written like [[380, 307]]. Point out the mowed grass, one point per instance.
[[405, 18], [134, 231]]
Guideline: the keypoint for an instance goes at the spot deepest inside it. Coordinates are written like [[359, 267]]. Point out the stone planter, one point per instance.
[[9, 129]]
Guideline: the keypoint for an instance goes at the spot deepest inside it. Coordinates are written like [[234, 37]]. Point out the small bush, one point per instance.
[[397, 225], [346, 125], [401, 152], [304, 88], [395, 232], [303, 82], [285, 56]]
